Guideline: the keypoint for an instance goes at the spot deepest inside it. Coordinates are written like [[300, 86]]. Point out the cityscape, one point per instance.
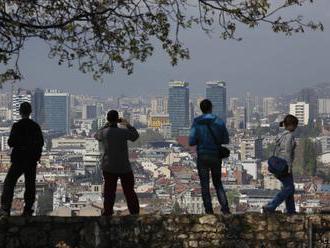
[[69, 179]]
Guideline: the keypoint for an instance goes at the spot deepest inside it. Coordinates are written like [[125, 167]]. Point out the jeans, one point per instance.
[[15, 171], [205, 164], [286, 194], [110, 187]]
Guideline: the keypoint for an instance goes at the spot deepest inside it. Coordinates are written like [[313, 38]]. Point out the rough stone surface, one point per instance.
[[246, 230]]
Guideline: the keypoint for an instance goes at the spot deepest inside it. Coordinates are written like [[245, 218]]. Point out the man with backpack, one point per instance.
[[209, 132], [26, 141]]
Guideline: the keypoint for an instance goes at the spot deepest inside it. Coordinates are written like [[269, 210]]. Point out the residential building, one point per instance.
[[301, 111]]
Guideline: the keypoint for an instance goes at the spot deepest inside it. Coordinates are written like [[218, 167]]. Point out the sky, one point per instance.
[[263, 63]]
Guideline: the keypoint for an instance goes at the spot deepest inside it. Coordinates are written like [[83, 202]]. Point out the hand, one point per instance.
[[124, 122]]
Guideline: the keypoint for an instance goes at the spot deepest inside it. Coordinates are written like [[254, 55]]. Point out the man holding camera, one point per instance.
[[115, 163]]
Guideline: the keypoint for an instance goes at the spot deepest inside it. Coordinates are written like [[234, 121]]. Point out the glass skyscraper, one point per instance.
[[216, 93], [178, 107], [57, 111], [38, 106]]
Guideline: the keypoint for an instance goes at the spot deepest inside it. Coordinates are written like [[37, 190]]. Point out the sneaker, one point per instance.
[[3, 214], [267, 210]]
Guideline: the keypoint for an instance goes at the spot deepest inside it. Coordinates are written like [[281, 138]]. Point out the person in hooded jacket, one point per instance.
[[208, 156]]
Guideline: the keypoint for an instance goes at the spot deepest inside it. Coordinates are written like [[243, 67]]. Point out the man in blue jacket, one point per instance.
[[208, 156]]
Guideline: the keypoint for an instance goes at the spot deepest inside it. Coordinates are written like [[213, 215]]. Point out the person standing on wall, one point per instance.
[[26, 141], [115, 162], [209, 132], [280, 165]]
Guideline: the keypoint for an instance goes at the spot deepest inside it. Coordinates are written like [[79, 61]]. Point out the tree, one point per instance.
[[305, 163], [98, 35]]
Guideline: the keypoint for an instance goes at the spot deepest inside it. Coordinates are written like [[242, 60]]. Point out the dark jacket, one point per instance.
[[26, 140], [201, 136], [115, 148]]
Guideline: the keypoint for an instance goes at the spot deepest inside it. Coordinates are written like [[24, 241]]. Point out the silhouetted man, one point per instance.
[[208, 132], [26, 141], [115, 163]]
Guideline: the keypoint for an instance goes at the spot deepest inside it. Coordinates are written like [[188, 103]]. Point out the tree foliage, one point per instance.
[[305, 163], [98, 35]]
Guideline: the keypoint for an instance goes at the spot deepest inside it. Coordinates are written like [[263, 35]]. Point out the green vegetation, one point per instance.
[[232, 196], [306, 158]]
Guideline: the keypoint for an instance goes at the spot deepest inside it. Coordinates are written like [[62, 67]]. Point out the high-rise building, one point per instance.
[[38, 106], [248, 107], [324, 106], [178, 106], [4, 100], [17, 99], [301, 111], [89, 112], [57, 111], [251, 148], [309, 96], [268, 106], [216, 93], [159, 105], [233, 104]]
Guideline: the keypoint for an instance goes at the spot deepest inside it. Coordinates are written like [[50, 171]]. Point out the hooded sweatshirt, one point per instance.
[[200, 134]]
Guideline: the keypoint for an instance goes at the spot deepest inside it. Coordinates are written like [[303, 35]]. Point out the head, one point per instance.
[[290, 123], [113, 117], [25, 109], [206, 106]]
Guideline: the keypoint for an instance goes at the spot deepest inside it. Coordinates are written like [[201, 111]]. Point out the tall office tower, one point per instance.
[[216, 93], [257, 105], [89, 112], [233, 104], [309, 96], [159, 105], [38, 106], [192, 111], [268, 106], [57, 111], [178, 106], [301, 111], [248, 107], [17, 99], [324, 106], [251, 148]]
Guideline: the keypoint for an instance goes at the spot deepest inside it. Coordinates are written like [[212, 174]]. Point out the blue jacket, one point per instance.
[[201, 136]]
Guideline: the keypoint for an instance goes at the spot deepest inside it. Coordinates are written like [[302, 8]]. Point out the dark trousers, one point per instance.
[[286, 194], [110, 187], [205, 165], [15, 171]]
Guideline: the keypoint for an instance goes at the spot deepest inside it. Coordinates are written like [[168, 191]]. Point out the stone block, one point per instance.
[[208, 219]]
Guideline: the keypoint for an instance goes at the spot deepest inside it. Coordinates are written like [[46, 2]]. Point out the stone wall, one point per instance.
[[246, 230]]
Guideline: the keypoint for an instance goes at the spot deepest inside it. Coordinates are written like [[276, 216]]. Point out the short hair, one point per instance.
[[206, 106], [112, 116], [289, 120], [25, 108]]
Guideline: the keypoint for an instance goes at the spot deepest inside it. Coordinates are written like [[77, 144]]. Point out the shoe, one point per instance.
[[3, 214], [267, 210]]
